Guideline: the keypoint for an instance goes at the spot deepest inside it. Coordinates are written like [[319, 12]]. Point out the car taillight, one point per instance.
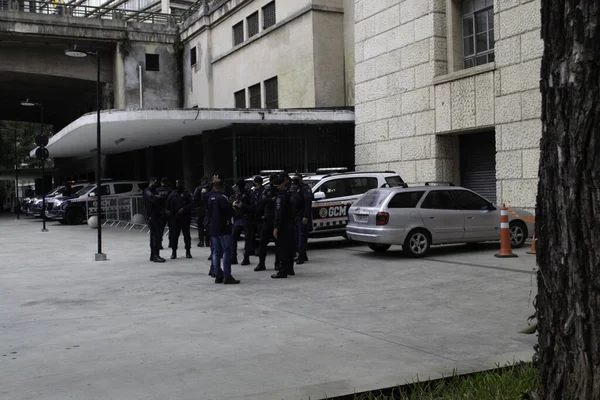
[[382, 218]]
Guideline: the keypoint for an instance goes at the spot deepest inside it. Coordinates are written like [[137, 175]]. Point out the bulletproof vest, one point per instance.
[[179, 200]]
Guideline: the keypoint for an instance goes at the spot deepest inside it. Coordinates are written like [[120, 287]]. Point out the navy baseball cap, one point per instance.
[[278, 181]]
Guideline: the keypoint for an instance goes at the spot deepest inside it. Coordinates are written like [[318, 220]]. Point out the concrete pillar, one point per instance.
[[208, 160], [187, 162], [165, 6], [150, 152], [119, 79]]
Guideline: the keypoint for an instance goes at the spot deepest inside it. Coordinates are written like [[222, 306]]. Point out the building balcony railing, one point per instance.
[[72, 9]]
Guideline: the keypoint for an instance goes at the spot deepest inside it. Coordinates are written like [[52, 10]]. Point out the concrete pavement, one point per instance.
[[350, 320]]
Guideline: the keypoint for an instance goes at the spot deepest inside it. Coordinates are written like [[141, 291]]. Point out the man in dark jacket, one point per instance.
[[245, 220], [203, 238], [179, 209], [303, 220], [220, 213], [164, 190], [284, 230], [266, 214], [154, 212]]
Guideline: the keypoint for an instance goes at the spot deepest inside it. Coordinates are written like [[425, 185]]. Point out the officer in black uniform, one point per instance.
[[154, 211], [266, 214], [164, 191], [246, 206], [303, 219], [179, 209], [284, 230], [203, 237]]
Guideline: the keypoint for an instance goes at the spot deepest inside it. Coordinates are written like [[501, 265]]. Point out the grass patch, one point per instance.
[[516, 382]]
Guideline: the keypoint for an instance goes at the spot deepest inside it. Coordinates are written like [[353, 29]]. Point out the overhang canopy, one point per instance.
[[132, 130]]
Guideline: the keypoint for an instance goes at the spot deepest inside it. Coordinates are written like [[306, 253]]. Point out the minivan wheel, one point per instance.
[[417, 243], [379, 248], [74, 216], [518, 234]]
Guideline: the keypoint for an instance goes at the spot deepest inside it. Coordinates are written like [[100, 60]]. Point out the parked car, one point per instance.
[[418, 217], [334, 193], [34, 207], [76, 209]]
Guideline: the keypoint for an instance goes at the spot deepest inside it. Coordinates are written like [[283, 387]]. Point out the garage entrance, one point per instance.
[[478, 163]]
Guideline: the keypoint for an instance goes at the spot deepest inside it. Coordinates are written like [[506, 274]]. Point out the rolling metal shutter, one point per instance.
[[478, 163]]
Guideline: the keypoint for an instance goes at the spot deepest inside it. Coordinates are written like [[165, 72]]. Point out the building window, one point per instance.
[[240, 99], [271, 93], [152, 63], [269, 15], [478, 32], [255, 100], [252, 22], [193, 56], [238, 33]]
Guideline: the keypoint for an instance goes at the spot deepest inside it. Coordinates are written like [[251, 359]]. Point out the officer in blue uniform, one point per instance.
[[303, 196], [266, 214], [220, 213], [179, 209], [154, 210], [283, 231], [164, 191]]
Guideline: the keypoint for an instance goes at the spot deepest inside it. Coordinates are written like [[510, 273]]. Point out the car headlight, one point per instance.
[[63, 205]]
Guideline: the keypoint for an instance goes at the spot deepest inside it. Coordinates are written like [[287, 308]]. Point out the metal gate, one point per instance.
[[478, 163]]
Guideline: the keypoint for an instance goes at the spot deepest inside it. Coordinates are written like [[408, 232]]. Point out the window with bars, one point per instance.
[[193, 56], [269, 18], [240, 98], [252, 22], [478, 32], [255, 99], [271, 93], [238, 33]]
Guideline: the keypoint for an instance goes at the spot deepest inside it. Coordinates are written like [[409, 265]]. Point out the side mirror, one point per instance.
[[93, 194], [319, 196]]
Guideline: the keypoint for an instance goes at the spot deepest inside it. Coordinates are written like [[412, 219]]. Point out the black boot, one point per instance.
[[279, 275], [291, 271], [260, 267], [211, 271], [174, 255], [151, 256], [219, 279], [210, 257], [234, 261], [200, 244], [230, 280], [158, 259], [300, 261], [246, 260], [188, 254]]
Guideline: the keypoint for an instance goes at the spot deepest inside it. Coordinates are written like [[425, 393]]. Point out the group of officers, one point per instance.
[[280, 211]]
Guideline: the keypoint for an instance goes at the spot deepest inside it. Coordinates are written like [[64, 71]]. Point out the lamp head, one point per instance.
[[75, 53]]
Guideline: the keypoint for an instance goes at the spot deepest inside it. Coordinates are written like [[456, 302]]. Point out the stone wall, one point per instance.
[[411, 103]]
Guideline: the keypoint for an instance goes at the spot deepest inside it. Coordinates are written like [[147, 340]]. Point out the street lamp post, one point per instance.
[[17, 204], [74, 52], [28, 103]]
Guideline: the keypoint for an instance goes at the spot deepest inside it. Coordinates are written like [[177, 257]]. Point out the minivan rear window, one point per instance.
[[373, 198], [394, 181], [406, 199]]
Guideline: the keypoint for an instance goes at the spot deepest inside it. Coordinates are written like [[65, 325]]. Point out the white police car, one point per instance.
[[76, 209], [335, 190]]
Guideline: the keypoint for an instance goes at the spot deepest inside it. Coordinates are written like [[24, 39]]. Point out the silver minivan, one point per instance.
[[418, 217]]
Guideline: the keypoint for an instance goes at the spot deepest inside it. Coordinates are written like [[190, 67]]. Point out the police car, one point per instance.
[[34, 206], [76, 209], [335, 190]]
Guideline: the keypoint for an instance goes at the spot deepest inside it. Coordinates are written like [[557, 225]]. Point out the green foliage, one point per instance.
[[25, 135], [517, 382]]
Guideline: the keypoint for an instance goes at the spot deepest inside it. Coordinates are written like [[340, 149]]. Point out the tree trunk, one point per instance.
[[568, 202]]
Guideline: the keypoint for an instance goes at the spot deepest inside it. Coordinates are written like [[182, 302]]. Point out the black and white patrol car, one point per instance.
[[76, 209], [334, 192]]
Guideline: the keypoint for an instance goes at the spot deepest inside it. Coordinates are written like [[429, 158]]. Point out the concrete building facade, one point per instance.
[[448, 90], [269, 54]]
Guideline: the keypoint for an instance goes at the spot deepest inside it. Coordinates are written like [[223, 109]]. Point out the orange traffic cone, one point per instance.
[[505, 249], [532, 251]]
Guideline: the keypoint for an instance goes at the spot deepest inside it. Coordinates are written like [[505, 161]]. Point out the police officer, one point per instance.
[[220, 213], [164, 191], [154, 210], [303, 220], [283, 231], [266, 214], [203, 238], [179, 209], [245, 208], [239, 222]]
